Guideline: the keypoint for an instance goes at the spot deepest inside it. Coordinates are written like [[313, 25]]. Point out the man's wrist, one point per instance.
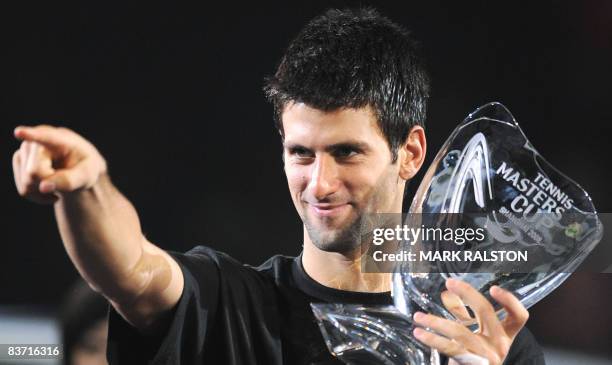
[[95, 191]]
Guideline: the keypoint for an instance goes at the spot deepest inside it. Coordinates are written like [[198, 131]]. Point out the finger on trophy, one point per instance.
[[455, 305]]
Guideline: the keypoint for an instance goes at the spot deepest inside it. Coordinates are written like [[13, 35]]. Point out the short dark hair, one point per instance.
[[350, 59]]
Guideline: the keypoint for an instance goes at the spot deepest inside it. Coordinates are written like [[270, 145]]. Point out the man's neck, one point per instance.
[[341, 270]]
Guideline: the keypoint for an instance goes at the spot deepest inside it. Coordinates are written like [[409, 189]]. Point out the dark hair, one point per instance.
[[350, 59]]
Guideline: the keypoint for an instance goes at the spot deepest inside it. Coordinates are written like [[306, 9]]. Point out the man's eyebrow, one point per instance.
[[356, 145], [293, 146]]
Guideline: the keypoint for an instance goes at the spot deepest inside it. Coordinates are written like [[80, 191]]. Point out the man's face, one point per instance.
[[338, 167]]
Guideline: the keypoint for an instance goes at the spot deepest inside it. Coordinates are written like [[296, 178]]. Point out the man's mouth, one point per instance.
[[329, 210]]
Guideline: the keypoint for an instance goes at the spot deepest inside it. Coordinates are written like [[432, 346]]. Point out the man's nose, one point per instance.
[[323, 177]]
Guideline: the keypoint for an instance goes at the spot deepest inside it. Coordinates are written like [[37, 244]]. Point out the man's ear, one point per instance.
[[411, 154]]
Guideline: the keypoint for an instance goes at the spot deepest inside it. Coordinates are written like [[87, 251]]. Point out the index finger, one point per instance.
[[517, 313], [49, 136], [453, 304], [489, 323]]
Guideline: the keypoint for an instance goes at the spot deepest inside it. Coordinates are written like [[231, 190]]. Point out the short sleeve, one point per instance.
[[185, 336]]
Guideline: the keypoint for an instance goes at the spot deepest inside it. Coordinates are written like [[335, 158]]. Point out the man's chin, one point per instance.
[[334, 235], [338, 241]]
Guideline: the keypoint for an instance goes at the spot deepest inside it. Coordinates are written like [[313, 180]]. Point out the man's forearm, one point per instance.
[[102, 235]]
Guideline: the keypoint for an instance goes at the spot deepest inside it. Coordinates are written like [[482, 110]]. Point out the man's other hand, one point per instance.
[[491, 343]]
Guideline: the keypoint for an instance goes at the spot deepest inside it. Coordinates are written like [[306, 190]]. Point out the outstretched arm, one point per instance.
[[98, 225]]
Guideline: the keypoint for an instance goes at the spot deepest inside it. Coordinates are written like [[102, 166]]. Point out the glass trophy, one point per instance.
[[488, 168], [363, 335], [489, 175]]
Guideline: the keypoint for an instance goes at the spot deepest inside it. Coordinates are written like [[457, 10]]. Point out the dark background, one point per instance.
[[171, 96]]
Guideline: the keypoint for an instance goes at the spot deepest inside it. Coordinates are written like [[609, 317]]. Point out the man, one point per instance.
[[349, 98]]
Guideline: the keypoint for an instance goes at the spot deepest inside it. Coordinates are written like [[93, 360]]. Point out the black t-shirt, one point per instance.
[[235, 314]]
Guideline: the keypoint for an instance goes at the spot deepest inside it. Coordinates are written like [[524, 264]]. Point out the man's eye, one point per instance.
[[344, 152], [301, 153]]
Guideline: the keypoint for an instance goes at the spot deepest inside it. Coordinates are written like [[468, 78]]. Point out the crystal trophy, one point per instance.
[[488, 167]]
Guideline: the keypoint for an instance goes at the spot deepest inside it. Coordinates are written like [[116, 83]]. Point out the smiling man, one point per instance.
[[349, 98], [339, 168]]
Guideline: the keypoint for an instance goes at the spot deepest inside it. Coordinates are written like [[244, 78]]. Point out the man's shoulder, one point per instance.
[[276, 266]]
